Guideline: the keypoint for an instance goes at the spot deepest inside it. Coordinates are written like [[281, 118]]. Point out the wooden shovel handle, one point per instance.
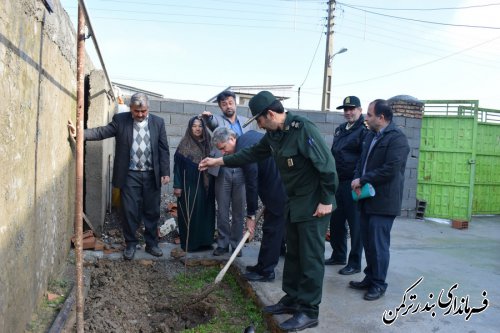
[[221, 274]]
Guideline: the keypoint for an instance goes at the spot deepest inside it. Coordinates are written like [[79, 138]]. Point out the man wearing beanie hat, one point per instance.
[[308, 172]]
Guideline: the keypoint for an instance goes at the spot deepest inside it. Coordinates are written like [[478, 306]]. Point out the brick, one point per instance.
[[180, 119], [154, 105], [413, 122], [212, 108], [170, 106], [165, 116], [316, 117], [194, 108]]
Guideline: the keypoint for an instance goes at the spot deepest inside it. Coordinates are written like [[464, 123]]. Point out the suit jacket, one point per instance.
[[122, 128], [262, 179], [385, 169], [220, 120]]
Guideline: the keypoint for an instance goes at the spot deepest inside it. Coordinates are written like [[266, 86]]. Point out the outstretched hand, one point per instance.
[[210, 162]]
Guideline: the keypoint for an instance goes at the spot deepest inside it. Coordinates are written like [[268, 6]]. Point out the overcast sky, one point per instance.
[[193, 49]]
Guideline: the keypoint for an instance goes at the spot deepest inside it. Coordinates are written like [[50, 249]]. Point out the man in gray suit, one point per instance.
[[230, 182], [141, 166]]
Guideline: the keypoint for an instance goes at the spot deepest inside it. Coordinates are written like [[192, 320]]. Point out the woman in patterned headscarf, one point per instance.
[[194, 189]]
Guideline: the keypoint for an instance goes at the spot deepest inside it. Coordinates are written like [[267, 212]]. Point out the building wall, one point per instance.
[[37, 97], [177, 113]]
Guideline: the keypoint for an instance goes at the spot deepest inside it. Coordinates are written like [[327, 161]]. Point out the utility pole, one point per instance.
[[327, 78]]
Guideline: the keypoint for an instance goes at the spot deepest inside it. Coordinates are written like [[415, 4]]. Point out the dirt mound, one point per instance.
[[143, 296]]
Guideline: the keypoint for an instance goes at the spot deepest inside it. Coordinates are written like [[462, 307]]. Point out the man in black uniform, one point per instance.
[[307, 169], [346, 149], [262, 180]]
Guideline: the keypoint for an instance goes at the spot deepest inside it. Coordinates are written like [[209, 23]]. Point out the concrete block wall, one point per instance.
[[98, 154], [177, 113], [37, 97], [408, 116]]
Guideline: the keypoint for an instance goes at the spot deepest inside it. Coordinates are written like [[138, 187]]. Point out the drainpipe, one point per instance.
[[80, 76]]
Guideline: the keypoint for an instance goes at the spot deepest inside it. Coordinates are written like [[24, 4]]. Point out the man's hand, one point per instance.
[[251, 226], [356, 184], [323, 210], [210, 162], [71, 129], [165, 180], [177, 192], [206, 114]]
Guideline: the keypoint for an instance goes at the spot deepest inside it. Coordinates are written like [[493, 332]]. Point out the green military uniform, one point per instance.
[[308, 172]]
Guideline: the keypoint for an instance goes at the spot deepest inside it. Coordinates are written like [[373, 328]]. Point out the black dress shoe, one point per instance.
[[348, 270], [280, 308], [255, 268], [256, 277], [298, 322], [374, 293], [362, 285], [129, 252], [154, 251], [220, 251], [332, 261]]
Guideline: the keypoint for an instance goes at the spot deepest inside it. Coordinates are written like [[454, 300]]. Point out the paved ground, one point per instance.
[[440, 255]]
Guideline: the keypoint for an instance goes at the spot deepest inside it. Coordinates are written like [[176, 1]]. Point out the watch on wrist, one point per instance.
[[252, 217]]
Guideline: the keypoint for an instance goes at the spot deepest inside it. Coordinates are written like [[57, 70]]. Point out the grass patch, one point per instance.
[[234, 310]]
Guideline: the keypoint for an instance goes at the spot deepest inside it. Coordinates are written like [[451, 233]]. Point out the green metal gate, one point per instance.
[[459, 161]]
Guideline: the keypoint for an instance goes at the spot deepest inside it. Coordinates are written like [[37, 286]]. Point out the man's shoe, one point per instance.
[[256, 277], [332, 261], [374, 293], [129, 252], [348, 270], [220, 251], [298, 322], [362, 285], [279, 308], [255, 268], [154, 251]]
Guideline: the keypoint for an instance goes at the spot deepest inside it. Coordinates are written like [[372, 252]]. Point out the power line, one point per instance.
[[193, 7], [203, 23], [169, 82], [426, 9], [312, 60], [420, 65], [423, 21]]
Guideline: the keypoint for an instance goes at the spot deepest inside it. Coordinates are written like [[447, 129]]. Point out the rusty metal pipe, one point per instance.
[[78, 225]]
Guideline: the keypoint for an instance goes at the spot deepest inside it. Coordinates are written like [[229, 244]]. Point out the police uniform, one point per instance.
[[308, 172]]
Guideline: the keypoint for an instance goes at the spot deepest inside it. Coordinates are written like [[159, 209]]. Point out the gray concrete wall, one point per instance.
[[37, 97], [98, 154]]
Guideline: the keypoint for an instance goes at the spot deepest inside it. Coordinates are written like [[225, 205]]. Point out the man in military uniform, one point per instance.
[[346, 150], [308, 172]]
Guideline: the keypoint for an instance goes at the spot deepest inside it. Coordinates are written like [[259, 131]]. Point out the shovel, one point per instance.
[[218, 278], [211, 287]]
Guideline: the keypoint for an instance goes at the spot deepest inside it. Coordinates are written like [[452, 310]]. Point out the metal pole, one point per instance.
[[94, 40], [327, 77], [80, 76]]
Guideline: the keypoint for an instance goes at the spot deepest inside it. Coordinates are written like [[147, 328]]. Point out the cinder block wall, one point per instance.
[[408, 116], [37, 97], [98, 154], [177, 113]]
